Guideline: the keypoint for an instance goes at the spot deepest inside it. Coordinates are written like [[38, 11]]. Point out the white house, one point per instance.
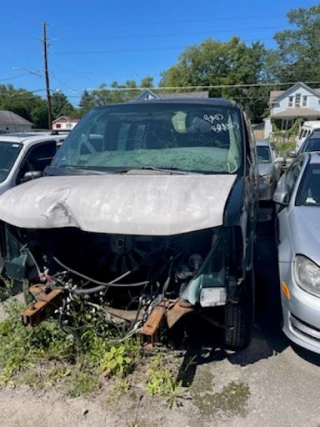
[[11, 122], [64, 123], [299, 101]]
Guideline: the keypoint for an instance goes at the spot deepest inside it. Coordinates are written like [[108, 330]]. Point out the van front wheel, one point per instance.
[[239, 317]]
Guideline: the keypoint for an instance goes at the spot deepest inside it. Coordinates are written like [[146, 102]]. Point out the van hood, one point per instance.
[[159, 205]]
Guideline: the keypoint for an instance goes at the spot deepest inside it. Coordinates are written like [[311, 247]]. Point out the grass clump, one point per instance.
[[46, 357], [162, 382]]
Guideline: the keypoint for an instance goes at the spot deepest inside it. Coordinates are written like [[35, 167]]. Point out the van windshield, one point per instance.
[[264, 154], [187, 137], [312, 144], [8, 154]]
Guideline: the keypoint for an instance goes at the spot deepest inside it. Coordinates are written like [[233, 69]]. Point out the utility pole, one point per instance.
[[46, 73]]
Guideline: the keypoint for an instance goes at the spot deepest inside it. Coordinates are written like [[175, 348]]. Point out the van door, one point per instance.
[[251, 189]]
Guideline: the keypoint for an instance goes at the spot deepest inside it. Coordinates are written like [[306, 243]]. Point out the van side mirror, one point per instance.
[[281, 197], [28, 176]]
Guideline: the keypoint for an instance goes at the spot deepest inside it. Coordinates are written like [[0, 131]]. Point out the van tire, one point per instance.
[[239, 317]]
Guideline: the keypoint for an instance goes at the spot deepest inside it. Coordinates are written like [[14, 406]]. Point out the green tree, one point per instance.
[[60, 105], [86, 102], [24, 103], [297, 57], [113, 94], [216, 63], [147, 82]]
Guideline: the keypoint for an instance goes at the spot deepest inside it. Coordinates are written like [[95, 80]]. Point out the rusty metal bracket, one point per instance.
[[176, 312], [150, 332], [163, 315], [47, 303]]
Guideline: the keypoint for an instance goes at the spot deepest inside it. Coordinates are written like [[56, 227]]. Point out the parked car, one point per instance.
[[24, 156], [311, 143], [147, 206], [270, 167], [298, 200], [306, 130]]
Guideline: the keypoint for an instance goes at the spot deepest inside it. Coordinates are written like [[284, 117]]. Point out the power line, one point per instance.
[[160, 48], [63, 83], [23, 95], [172, 21], [198, 87], [20, 18], [101, 73], [134, 36], [15, 77], [162, 88]]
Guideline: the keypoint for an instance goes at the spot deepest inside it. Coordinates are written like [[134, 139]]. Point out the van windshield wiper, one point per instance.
[[153, 168], [73, 170]]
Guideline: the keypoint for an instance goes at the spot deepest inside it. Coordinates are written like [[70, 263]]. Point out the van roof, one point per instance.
[[312, 124]]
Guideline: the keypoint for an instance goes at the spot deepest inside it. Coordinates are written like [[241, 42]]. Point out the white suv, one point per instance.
[[24, 156]]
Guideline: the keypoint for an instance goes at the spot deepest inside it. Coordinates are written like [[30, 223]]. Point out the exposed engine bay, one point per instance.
[[125, 276]]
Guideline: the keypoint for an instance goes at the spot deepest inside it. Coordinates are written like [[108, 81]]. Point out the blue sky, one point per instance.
[[102, 41]]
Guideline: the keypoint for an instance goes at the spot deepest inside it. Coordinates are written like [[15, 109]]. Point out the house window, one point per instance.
[[290, 101], [304, 101], [287, 124], [298, 100]]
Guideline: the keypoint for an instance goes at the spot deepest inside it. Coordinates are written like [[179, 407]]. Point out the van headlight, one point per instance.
[[307, 275]]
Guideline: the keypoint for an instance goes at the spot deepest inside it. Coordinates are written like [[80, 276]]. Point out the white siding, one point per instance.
[[282, 103], [267, 128], [63, 126], [15, 128]]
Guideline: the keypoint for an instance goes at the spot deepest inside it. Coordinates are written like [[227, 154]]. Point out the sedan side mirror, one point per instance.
[[28, 176], [281, 197]]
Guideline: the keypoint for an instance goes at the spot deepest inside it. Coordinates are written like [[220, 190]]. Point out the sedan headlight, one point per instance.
[[266, 179], [307, 275]]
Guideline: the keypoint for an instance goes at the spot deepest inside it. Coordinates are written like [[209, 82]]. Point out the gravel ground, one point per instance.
[[270, 383]]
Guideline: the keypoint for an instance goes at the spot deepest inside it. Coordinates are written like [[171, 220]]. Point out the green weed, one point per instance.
[[162, 382], [6, 287], [83, 382], [45, 356]]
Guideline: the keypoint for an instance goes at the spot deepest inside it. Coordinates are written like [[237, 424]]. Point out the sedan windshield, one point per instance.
[[313, 144], [264, 154], [8, 154], [173, 136], [309, 190]]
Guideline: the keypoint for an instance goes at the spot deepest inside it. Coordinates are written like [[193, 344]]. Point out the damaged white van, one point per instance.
[[147, 212]]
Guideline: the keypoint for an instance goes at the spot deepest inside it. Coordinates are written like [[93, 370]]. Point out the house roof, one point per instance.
[[64, 119], [175, 95], [275, 94], [10, 118], [296, 112]]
